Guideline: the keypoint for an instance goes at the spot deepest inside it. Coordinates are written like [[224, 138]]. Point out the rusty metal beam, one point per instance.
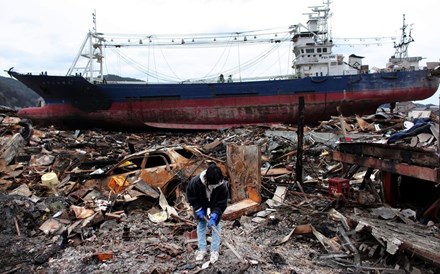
[[424, 173], [389, 187]]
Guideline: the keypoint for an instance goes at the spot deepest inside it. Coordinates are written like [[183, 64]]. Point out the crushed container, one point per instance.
[[338, 186]]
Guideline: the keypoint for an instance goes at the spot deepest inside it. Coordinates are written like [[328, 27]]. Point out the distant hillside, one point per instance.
[[15, 94], [112, 77]]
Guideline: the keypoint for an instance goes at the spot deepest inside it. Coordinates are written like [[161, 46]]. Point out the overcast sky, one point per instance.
[[45, 35]]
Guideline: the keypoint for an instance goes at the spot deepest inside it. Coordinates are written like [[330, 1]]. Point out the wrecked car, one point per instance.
[[163, 168]]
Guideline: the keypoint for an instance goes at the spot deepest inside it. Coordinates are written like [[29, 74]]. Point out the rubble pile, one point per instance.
[[112, 202]]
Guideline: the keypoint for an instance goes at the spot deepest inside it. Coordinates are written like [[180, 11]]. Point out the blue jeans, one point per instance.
[[201, 236]]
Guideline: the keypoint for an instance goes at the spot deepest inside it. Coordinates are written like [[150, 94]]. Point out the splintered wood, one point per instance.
[[244, 168]]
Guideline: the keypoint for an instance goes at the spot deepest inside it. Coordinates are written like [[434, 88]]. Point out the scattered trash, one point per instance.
[[104, 256]]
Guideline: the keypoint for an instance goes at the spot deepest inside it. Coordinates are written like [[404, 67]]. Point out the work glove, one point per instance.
[[201, 213], [213, 220]]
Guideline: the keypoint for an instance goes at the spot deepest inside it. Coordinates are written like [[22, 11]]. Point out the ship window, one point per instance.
[[324, 50], [302, 51], [318, 50], [310, 50]]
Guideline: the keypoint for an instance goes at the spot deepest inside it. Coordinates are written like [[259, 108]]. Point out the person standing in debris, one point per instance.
[[208, 190]]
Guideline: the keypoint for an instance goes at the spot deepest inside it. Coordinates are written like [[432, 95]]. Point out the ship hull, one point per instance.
[[73, 102]]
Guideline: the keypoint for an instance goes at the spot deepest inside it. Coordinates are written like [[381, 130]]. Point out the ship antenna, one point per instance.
[[326, 18], [402, 47], [94, 21]]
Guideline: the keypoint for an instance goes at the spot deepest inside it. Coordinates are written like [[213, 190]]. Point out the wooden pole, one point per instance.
[[299, 156]]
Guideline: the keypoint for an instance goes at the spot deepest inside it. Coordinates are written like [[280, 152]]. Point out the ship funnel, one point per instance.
[[355, 61]]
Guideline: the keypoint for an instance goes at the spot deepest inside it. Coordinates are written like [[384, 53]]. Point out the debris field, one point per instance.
[[367, 199]]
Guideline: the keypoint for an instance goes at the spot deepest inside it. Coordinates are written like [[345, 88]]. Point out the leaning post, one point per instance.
[[300, 132]]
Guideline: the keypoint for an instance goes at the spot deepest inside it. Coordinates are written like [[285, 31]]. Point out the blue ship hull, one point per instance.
[[71, 101]]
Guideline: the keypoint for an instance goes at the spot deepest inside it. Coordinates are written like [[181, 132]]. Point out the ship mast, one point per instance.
[[321, 14], [405, 40], [400, 59], [91, 49]]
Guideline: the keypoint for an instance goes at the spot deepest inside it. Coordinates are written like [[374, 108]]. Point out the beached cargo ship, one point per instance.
[[85, 98]]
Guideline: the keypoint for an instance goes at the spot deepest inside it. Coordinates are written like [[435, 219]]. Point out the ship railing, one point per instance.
[[269, 78], [124, 82], [247, 79]]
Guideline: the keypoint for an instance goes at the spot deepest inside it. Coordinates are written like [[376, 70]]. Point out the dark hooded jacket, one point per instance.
[[200, 194]]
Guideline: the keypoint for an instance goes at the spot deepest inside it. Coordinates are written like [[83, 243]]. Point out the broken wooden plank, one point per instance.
[[300, 229], [244, 164], [345, 241], [275, 171], [363, 125], [11, 148], [424, 173], [243, 207], [413, 239], [409, 155], [211, 146], [329, 244]]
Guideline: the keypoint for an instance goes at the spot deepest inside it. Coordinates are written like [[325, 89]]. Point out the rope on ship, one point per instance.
[[238, 69], [274, 35]]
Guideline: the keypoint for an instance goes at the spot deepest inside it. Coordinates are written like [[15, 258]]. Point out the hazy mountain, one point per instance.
[[15, 94], [113, 77]]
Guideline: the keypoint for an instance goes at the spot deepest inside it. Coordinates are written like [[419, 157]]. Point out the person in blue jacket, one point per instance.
[[208, 190]]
